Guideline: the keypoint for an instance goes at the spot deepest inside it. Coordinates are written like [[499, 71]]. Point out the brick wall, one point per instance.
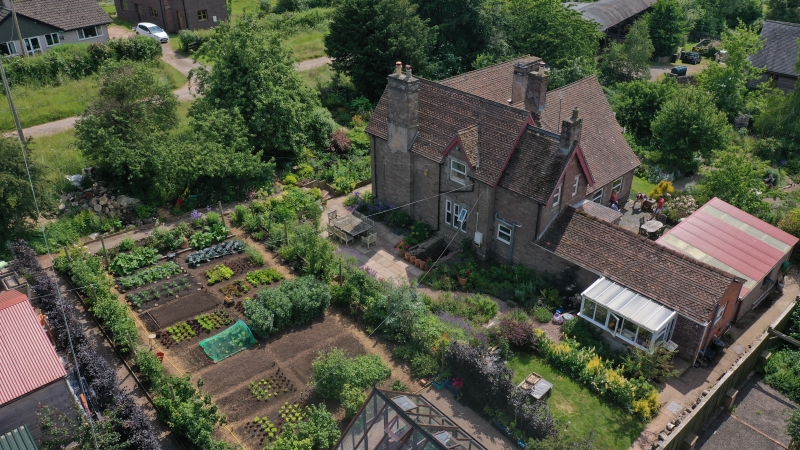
[[169, 12], [687, 335], [211, 7]]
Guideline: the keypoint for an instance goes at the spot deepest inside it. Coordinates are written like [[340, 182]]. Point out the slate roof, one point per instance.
[[779, 54], [28, 360], [607, 153], [492, 83], [608, 13], [444, 112], [536, 166], [676, 281], [64, 14], [4, 12]]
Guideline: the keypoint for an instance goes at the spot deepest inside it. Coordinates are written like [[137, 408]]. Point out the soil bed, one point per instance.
[[182, 290], [185, 308]]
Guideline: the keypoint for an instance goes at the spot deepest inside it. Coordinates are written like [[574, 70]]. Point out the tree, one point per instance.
[[17, 207], [573, 71], [736, 177], [637, 102], [631, 59], [780, 116], [59, 429], [784, 10], [367, 37], [727, 83], [668, 26], [687, 126], [461, 33], [254, 73]]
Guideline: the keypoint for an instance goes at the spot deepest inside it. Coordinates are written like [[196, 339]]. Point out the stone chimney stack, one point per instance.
[[570, 132], [403, 108], [519, 86], [536, 93]]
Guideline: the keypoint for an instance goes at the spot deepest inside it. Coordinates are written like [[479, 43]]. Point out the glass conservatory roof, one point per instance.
[[629, 304]]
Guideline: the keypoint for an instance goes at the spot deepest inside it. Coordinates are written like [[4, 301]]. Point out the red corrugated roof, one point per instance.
[[730, 242], [28, 360]]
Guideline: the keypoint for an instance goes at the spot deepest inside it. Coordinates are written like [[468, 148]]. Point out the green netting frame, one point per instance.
[[230, 342]]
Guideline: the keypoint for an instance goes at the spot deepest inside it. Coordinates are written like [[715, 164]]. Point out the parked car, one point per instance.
[[679, 70], [152, 31], [691, 57]]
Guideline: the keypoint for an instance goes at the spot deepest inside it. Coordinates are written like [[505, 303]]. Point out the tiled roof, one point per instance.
[[726, 237], [4, 12], [608, 13], [470, 140], [444, 112], [64, 14], [492, 83], [676, 281], [28, 360], [607, 153], [536, 166], [779, 54], [598, 211]]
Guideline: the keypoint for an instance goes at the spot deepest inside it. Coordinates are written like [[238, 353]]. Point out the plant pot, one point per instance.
[[462, 281], [407, 256], [420, 264], [185, 243], [413, 260], [401, 252]]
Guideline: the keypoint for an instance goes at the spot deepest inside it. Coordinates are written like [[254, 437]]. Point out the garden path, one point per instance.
[[689, 385], [381, 258]]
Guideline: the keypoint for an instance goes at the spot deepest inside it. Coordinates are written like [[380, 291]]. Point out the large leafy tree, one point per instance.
[[736, 177], [780, 117], [668, 26], [17, 207], [631, 59], [687, 126], [367, 37], [784, 10], [637, 102], [727, 83], [462, 34], [254, 73]]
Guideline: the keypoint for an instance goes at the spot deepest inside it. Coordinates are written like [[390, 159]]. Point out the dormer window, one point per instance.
[[458, 171], [557, 196]]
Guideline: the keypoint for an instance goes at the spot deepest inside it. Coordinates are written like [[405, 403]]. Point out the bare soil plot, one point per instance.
[[183, 309]]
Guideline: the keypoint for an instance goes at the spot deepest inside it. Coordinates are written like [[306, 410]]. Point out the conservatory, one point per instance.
[[627, 315]]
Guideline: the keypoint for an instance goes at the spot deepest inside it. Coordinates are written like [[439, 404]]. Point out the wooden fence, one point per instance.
[[683, 434]]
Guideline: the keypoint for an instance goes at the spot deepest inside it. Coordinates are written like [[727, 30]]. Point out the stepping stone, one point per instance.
[[674, 407]]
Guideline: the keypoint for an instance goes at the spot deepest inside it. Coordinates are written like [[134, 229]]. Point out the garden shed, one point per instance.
[[723, 236]]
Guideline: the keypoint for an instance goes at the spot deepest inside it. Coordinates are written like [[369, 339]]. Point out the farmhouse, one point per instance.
[[173, 15], [31, 373], [493, 156], [779, 55]]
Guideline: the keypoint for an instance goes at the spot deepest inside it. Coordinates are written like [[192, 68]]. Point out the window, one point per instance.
[[153, 12], [458, 171], [575, 185], [138, 8], [503, 233], [32, 45], [557, 197], [588, 308], [52, 39], [720, 313], [617, 186], [8, 48], [89, 32], [597, 197], [202, 15], [460, 217], [125, 5], [448, 212]]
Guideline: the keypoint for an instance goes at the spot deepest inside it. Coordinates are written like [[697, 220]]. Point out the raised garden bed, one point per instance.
[[215, 251], [162, 292]]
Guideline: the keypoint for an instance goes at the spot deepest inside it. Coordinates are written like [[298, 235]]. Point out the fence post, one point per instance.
[[105, 252], [66, 250], [221, 214]]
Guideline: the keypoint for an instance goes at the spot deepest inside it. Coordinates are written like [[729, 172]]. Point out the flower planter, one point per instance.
[[462, 281], [407, 256], [420, 264], [401, 252]]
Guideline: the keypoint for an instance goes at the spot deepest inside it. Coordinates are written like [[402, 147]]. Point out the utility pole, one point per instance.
[[11, 104], [19, 34]]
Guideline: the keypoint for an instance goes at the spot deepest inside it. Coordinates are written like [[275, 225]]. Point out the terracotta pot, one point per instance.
[[401, 252], [185, 243], [407, 256], [413, 260], [462, 281], [420, 263]]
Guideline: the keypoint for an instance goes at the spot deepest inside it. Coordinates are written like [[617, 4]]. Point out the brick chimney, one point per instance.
[[536, 92], [519, 86], [570, 132], [403, 108]]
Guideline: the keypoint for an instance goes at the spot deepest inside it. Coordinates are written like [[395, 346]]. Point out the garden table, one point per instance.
[[352, 225]]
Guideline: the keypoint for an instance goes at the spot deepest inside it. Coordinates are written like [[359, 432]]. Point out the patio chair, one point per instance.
[[346, 238], [333, 215], [371, 238]]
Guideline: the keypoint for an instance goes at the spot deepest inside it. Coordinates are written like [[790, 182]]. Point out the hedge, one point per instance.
[[192, 40]]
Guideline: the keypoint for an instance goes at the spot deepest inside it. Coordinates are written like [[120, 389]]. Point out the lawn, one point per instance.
[[37, 105], [641, 185], [319, 76], [239, 7], [573, 403], [57, 156], [307, 44]]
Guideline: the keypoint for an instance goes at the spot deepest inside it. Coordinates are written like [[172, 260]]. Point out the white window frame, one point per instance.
[[617, 186], [597, 197], [11, 45], [461, 177], [504, 233], [82, 36], [720, 313], [575, 185], [557, 196], [448, 212], [53, 38], [29, 47]]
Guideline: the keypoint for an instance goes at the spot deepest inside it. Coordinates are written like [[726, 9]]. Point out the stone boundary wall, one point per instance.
[[712, 400]]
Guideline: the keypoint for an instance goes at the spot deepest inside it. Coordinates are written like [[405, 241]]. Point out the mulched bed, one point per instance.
[[184, 308]]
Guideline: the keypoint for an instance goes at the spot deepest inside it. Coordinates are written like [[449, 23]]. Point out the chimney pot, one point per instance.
[[408, 70], [398, 68], [575, 113]]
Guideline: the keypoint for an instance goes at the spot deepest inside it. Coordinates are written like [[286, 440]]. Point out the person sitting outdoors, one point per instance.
[[640, 198]]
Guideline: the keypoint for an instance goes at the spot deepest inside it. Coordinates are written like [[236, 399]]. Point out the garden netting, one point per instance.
[[230, 342]]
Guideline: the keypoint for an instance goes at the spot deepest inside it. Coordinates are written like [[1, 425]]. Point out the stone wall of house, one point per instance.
[[392, 177], [425, 185], [687, 335]]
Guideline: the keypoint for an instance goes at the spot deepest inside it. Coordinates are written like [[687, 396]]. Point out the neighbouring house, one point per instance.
[[614, 17], [173, 15], [45, 24], [493, 156], [640, 293], [399, 420], [779, 55], [31, 372], [723, 236]]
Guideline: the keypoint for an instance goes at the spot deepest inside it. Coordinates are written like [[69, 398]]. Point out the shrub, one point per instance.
[[656, 366], [398, 386], [290, 180], [352, 399], [254, 256], [127, 245], [333, 369], [518, 332], [192, 40], [781, 373], [127, 263], [239, 215], [662, 188], [136, 48], [424, 365], [294, 302], [477, 309], [542, 314], [359, 288]]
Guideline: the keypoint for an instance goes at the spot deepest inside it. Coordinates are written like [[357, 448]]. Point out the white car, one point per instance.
[[152, 31]]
